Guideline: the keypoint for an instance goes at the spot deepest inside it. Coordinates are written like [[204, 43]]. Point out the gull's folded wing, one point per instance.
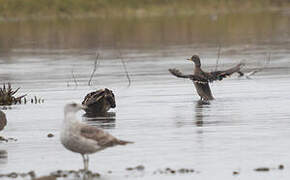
[[102, 138]]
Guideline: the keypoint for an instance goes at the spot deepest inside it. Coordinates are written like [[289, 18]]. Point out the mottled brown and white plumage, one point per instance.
[[201, 79], [99, 102], [84, 139]]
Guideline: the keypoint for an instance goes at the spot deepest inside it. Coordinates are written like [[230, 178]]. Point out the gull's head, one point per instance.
[[73, 108], [195, 59]]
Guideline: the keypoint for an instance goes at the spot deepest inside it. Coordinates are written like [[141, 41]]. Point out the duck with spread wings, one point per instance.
[[201, 79]]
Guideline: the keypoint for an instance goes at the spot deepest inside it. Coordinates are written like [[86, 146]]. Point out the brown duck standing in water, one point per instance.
[[99, 102], [201, 78]]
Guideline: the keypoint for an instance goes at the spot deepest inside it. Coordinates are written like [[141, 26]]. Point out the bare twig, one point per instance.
[[125, 69], [218, 58], [94, 70], [269, 58], [74, 78]]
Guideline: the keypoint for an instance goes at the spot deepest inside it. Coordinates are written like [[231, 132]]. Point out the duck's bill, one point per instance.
[[188, 59]]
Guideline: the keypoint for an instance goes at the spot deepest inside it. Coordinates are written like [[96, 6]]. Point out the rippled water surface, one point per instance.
[[246, 127]]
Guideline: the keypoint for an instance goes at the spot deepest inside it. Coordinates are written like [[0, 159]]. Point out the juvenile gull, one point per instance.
[[82, 138]]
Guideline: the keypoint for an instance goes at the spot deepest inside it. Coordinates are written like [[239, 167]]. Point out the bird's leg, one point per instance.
[[86, 164], [87, 161], [84, 161]]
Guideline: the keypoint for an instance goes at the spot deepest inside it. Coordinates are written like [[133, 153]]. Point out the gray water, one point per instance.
[[246, 127]]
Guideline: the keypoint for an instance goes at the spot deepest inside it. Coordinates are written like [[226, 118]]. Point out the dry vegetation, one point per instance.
[[127, 8], [7, 95]]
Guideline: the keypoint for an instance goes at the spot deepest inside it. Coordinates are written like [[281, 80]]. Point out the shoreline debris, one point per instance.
[[7, 95]]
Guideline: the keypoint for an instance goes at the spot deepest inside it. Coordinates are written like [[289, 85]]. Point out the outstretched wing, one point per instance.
[[177, 73], [219, 75]]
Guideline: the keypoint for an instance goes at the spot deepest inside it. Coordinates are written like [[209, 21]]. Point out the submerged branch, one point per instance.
[[94, 70], [125, 69], [74, 78], [218, 58]]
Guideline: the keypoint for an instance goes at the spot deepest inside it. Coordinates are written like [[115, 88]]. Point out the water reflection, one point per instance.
[[3, 156], [93, 33], [105, 121], [200, 105]]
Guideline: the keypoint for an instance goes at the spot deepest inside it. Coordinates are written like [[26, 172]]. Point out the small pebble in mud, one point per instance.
[[236, 173], [96, 175], [46, 178], [262, 169], [31, 174], [183, 170], [72, 174], [281, 167], [50, 135], [72, 171], [173, 171], [138, 168], [12, 175]]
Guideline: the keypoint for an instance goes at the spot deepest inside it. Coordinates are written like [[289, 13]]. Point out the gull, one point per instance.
[[82, 138], [201, 79]]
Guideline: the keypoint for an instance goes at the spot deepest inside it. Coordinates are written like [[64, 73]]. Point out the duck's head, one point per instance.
[[73, 107], [195, 59], [110, 97]]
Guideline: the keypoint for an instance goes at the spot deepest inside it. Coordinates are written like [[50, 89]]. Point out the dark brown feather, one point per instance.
[[194, 78], [93, 97], [219, 75], [204, 91]]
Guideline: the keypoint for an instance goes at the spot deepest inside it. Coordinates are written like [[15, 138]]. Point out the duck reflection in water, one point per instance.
[[3, 156], [105, 121], [200, 105]]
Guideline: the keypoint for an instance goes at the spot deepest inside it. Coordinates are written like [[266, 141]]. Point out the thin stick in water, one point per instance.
[[94, 70], [219, 54], [74, 78], [125, 69], [269, 58]]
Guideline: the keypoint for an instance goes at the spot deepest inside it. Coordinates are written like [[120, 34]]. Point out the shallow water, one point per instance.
[[246, 127]]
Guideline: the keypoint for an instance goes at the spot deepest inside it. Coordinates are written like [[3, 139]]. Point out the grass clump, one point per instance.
[[7, 95]]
